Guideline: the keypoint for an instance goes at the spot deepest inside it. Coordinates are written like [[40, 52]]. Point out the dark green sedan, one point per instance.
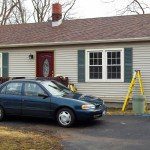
[[48, 99]]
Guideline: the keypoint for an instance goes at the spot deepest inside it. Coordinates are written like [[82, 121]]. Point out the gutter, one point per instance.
[[75, 42]]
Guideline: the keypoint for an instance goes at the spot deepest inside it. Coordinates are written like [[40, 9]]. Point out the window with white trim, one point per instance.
[[105, 65]]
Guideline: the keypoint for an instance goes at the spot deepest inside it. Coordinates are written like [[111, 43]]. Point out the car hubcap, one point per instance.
[[64, 118]]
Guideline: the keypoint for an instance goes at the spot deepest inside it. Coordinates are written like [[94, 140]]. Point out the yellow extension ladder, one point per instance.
[[137, 75]]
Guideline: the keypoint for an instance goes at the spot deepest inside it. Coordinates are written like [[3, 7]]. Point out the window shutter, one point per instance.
[[81, 65], [128, 64], [5, 64]]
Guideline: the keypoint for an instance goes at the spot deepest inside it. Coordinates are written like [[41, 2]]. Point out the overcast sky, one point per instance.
[[97, 8]]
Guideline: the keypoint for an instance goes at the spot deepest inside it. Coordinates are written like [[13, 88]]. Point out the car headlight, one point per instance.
[[88, 106]]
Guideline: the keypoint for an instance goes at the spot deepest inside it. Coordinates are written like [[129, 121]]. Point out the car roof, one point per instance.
[[28, 80]]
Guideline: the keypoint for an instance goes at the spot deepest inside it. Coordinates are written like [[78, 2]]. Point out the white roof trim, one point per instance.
[[76, 42]]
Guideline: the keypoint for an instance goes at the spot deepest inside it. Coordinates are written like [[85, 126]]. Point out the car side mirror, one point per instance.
[[43, 95]]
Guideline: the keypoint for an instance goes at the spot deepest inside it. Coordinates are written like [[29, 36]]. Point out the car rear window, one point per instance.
[[13, 88]]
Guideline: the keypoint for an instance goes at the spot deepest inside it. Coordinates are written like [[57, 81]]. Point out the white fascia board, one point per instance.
[[76, 42]]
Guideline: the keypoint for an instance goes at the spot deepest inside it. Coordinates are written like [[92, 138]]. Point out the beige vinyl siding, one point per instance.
[[20, 65], [66, 64], [141, 61]]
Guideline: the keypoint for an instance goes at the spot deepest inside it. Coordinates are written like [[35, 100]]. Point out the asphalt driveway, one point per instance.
[[111, 132]]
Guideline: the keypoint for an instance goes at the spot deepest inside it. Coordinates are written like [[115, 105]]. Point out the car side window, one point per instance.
[[3, 90], [33, 89], [13, 89]]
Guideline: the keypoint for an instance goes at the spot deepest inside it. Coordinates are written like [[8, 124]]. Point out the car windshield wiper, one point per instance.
[[54, 87]]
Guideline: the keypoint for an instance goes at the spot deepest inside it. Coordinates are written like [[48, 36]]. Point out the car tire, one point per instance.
[[65, 117], [1, 113]]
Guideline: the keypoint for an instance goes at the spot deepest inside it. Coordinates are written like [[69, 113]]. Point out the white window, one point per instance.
[[105, 65]]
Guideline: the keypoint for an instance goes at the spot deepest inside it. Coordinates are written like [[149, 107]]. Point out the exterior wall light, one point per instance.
[[30, 56]]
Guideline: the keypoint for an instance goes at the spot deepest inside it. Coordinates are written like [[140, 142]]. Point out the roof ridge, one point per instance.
[[139, 15], [76, 19], [23, 24]]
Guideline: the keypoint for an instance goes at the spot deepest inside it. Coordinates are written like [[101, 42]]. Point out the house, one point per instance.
[[98, 55]]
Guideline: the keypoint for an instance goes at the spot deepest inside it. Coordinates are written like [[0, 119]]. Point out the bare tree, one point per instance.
[[19, 13], [68, 6], [21, 10], [6, 8], [40, 10], [135, 7], [132, 6]]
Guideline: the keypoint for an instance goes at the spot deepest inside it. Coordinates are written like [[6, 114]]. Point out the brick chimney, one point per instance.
[[56, 14]]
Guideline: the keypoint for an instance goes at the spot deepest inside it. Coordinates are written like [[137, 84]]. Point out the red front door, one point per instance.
[[44, 64]]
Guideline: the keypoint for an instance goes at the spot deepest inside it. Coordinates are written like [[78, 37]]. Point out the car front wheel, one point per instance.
[[1, 113], [65, 117]]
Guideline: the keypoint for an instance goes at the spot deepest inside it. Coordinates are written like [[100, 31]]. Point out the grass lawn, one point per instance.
[[14, 139], [117, 111]]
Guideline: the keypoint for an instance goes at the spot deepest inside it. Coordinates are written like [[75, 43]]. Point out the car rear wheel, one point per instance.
[[1, 113], [65, 117]]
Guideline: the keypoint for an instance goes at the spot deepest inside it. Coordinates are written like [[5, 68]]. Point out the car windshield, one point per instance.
[[61, 87], [54, 89]]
